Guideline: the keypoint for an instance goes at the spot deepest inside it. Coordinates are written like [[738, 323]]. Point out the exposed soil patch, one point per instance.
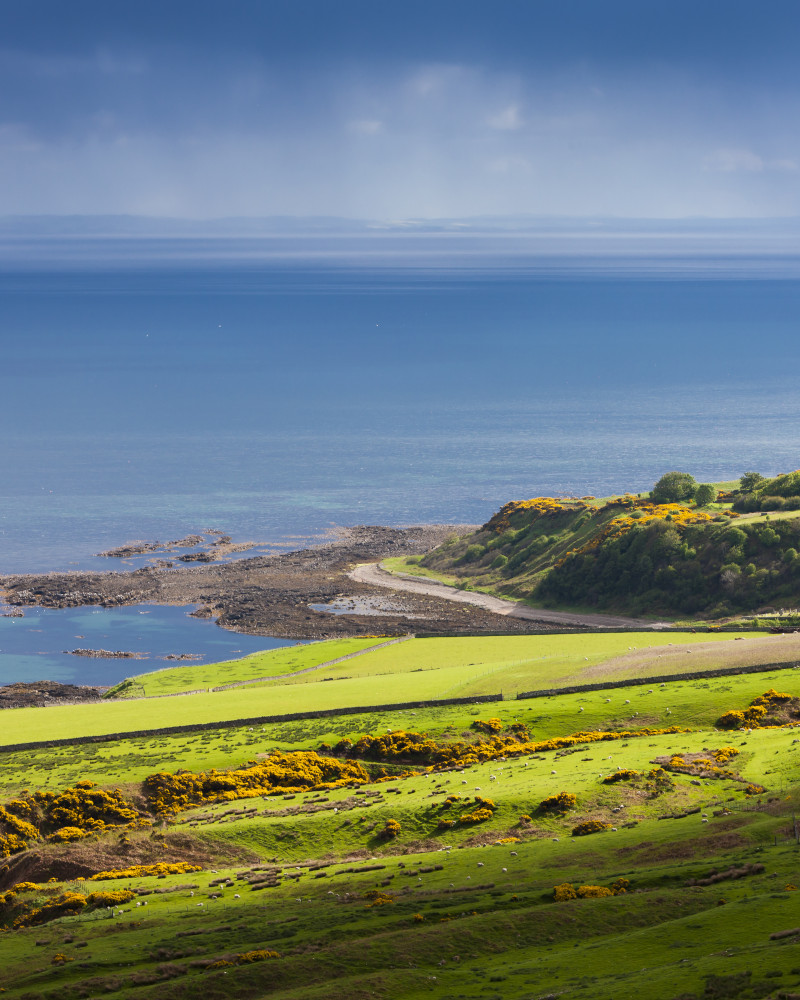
[[723, 837], [87, 857], [270, 595]]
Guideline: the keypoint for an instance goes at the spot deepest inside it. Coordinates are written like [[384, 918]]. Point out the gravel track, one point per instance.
[[374, 575]]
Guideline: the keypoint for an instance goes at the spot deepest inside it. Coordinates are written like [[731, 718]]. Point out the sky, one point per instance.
[[366, 109]]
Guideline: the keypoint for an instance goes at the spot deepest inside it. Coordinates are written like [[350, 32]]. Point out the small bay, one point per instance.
[[35, 647]]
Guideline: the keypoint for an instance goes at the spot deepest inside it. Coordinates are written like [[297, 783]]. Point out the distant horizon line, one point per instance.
[[139, 224]]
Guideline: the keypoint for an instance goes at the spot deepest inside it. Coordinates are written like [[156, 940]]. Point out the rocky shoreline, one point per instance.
[[271, 594], [41, 693]]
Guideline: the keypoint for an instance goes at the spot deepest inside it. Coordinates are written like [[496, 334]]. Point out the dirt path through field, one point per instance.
[[374, 574]]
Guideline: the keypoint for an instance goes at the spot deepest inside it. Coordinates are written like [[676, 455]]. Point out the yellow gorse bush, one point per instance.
[[279, 774], [63, 905], [102, 898], [626, 774], [559, 803], [417, 748], [539, 506], [566, 891], [142, 871], [590, 826], [768, 703], [646, 513]]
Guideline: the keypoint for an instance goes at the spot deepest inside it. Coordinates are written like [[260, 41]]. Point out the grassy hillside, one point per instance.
[[401, 877], [628, 554]]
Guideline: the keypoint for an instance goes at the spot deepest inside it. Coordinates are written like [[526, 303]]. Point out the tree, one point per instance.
[[705, 494], [750, 481], [674, 487]]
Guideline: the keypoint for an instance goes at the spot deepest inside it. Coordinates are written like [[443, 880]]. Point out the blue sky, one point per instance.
[[632, 108]]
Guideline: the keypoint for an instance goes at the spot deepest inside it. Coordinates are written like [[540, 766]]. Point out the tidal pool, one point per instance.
[[35, 647]]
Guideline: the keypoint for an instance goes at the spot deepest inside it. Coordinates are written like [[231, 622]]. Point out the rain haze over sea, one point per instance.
[[581, 269]]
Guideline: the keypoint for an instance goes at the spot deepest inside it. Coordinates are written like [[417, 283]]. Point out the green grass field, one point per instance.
[[270, 663], [462, 916], [441, 668]]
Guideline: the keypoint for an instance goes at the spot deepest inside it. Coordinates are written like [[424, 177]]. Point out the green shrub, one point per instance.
[[499, 561], [674, 487], [706, 494]]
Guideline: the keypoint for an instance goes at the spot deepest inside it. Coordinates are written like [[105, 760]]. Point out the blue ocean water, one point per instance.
[[273, 388]]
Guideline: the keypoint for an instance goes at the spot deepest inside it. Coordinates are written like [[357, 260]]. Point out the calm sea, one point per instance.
[[273, 388]]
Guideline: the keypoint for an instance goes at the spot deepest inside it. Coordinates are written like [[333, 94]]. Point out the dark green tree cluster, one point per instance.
[[757, 493], [711, 568], [680, 487]]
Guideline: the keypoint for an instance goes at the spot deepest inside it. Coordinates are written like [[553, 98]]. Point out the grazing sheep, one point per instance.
[[236, 895]]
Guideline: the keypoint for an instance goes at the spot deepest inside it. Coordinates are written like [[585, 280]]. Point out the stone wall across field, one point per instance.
[[694, 675], [322, 713]]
